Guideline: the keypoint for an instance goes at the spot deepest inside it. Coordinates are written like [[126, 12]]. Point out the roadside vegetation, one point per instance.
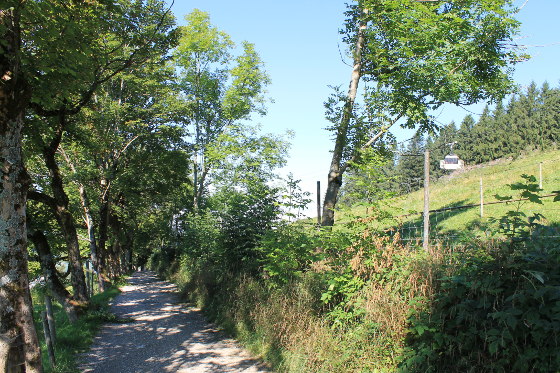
[[73, 338], [355, 298]]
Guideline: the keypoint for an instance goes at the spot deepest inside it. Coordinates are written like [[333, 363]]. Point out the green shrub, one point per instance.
[[499, 312], [288, 252], [498, 309]]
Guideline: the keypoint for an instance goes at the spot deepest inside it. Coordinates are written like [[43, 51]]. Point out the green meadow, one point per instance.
[[463, 188]]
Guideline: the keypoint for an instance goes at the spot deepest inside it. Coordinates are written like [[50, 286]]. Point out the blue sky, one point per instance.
[[301, 47]]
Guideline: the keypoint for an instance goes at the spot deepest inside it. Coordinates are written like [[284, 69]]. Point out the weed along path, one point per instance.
[[163, 336]]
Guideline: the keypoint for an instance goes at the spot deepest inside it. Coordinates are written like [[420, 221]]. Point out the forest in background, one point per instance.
[[528, 121]]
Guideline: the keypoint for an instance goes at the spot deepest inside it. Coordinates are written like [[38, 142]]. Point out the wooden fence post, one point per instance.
[[319, 202], [426, 236], [50, 318], [481, 199], [48, 341], [540, 176], [88, 284]]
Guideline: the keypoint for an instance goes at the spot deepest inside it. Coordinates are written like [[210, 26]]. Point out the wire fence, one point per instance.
[[467, 209], [487, 220]]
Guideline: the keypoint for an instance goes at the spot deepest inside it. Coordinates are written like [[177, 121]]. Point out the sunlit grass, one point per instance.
[[463, 188]]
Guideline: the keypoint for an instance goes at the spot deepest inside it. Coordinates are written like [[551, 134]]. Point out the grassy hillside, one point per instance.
[[462, 188]]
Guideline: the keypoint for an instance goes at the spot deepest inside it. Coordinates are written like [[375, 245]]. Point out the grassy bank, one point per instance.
[[73, 338], [462, 188], [394, 308], [356, 299], [291, 324]]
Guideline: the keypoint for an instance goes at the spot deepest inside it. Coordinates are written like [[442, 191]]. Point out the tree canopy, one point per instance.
[[415, 56]]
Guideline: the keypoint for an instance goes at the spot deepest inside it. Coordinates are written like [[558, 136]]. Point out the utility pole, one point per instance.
[[426, 213]]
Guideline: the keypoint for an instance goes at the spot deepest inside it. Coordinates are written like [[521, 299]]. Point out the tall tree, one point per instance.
[[529, 121], [131, 33], [338, 163], [418, 55], [219, 88], [17, 331], [241, 155], [45, 63], [549, 117], [118, 136], [442, 144], [464, 137], [410, 166]]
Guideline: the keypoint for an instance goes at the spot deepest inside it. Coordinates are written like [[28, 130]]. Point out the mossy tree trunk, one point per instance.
[[18, 336]]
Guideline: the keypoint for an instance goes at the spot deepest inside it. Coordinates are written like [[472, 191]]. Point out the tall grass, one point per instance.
[[290, 327]]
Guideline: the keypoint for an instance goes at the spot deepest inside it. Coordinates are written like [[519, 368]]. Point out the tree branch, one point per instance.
[[370, 142], [42, 198], [85, 96]]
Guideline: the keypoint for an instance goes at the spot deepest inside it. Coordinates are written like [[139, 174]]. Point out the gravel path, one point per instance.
[[164, 337]]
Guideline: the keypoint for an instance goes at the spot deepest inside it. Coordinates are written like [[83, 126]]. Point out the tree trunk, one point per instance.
[[88, 218], [337, 167], [56, 287], [90, 224], [116, 252], [18, 336], [331, 196], [129, 266], [65, 218], [102, 247], [195, 183], [200, 189]]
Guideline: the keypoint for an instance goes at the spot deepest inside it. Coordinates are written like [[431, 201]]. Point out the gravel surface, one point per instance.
[[165, 336]]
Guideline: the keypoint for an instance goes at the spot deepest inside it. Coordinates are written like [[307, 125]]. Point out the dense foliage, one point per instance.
[[354, 298], [529, 121], [414, 57], [497, 311], [125, 124]]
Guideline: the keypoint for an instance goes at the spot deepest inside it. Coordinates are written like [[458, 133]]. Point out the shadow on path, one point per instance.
[[164, 336]]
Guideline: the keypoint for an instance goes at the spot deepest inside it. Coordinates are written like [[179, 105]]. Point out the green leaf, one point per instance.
[[536, 274], [535, 198]]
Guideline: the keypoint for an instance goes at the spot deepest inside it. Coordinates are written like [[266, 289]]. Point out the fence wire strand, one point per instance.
[[411, 230]]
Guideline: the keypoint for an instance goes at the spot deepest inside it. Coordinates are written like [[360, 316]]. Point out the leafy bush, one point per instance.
[[498, 309], [288, 252], [245, 218], [355, 299]]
